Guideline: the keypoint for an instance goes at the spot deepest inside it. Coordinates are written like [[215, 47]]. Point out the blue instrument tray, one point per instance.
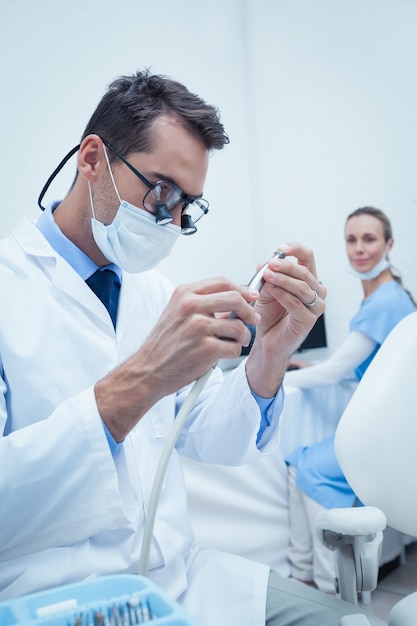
[[123, 600]]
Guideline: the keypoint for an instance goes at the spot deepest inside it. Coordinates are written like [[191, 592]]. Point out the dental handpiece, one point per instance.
[[257, 281]]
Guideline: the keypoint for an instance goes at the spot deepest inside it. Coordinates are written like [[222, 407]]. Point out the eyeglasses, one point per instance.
[[164, 196]]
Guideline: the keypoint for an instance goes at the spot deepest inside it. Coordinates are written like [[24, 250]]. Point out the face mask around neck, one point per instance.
[[382, 265]]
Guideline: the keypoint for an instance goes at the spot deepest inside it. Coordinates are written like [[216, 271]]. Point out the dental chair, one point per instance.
[[376, 445]]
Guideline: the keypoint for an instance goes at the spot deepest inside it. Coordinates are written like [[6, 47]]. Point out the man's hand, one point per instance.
[[193, 333], [290, 302]]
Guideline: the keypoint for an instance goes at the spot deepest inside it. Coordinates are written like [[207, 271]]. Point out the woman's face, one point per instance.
[[365, 242]]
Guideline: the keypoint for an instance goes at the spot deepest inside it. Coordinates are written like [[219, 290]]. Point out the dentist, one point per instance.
[[98, 352]]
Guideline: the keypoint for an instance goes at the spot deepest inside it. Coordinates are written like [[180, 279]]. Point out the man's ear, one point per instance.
[[91, 159]]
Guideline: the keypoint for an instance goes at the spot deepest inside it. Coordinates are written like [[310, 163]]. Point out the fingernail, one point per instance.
[[258, 317], [284, 247]]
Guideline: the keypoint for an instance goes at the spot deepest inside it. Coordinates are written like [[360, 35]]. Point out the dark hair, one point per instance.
[[126, 112], [125, 115], [380, 215], [386, 224]]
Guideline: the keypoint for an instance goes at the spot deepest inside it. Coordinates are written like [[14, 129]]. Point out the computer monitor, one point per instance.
[[316, 338]]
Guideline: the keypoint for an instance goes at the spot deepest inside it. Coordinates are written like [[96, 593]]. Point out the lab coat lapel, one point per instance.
[[73, 286], [63, 278]]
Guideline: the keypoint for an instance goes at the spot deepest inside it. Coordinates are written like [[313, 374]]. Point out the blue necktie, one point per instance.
[[106, 286]]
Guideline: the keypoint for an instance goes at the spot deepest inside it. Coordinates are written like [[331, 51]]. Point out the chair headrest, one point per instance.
[[376, 439]]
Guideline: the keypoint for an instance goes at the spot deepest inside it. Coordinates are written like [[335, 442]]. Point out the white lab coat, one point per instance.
[[69, 510]]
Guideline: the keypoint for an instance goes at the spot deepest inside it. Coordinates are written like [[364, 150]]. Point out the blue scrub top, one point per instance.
[[319, 474], [378, 315]]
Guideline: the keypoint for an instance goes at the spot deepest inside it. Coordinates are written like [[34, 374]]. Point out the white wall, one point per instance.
[[318, 97]]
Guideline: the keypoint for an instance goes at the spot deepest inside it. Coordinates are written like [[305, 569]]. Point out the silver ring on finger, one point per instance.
[[314, 300]]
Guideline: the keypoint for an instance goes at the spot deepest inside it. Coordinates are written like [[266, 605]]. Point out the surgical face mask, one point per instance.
[[133, 241], [382, 265]]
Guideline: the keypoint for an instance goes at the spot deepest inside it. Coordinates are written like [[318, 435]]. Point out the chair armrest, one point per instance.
[[355, 536]]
